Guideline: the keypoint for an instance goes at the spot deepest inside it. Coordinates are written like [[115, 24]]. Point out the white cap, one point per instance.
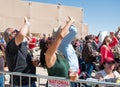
[[102, 35]]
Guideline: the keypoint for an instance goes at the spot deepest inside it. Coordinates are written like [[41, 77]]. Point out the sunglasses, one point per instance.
[[15, 31]]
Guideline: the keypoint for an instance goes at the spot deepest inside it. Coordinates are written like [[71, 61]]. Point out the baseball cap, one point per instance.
[[109, 61]]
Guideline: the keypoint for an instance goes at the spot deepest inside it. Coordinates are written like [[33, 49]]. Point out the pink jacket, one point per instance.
[[106, 51]]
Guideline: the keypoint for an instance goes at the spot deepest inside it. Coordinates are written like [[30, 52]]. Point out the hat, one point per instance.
[[56, 31], [102, 35], [107, 60]]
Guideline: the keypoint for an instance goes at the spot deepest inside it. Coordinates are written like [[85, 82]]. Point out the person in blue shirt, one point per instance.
[[67, 49], [2, 39], [2, 60]]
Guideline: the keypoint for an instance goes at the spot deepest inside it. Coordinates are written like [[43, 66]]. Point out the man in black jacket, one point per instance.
[[89, 54]]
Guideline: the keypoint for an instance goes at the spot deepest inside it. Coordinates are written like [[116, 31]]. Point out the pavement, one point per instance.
[[41, 71]]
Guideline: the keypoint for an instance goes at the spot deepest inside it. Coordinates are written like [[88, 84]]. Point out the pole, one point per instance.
[[29, 15]]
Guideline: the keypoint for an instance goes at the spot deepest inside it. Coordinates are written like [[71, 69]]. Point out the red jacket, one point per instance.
[[32, 43], [106, 51]]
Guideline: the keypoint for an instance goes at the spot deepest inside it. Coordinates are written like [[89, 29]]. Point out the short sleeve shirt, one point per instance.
[[16, 60], [19, 60], [60, 68]]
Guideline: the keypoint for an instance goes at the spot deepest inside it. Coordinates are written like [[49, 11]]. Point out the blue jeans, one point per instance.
[[89, 68], [31, 85], [1, 80]]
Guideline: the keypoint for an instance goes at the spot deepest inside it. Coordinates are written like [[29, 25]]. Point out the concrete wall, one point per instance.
[[44, 17]]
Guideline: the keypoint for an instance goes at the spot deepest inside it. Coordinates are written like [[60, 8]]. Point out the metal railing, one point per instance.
[[81, 82]]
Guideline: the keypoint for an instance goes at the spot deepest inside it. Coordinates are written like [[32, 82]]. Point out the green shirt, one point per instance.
[[60, 68]]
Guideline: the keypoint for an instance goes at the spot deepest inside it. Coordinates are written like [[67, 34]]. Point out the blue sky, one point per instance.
[[100, 15]]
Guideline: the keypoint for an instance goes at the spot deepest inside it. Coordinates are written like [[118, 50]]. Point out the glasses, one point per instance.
[[15, 31]]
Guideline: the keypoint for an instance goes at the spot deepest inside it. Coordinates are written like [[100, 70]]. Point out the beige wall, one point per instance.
[[84, 30], [44, 17]]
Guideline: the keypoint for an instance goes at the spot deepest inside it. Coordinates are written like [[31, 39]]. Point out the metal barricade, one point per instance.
[[81, 82]]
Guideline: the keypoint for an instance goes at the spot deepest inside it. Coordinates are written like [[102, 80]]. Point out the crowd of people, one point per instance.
[[62, 54]]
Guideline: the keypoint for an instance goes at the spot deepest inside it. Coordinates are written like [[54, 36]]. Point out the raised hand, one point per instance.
[[26, 21], [70, 19]]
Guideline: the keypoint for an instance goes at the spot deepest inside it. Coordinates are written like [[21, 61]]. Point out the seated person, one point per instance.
[[107, 74]]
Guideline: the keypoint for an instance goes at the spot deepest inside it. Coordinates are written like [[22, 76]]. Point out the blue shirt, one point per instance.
[[67, 49], [2, 40]]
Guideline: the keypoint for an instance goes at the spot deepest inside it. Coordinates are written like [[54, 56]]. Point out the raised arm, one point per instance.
[[117, 33], [22, 32], [114, 40], [50, 56]]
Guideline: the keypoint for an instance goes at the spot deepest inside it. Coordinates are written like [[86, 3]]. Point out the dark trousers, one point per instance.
[[89, 68]]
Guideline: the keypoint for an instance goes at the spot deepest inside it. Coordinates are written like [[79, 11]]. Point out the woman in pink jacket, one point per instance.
[[106, 47]]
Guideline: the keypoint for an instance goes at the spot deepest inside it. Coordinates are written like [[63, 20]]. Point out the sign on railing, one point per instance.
[[58, 83]]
